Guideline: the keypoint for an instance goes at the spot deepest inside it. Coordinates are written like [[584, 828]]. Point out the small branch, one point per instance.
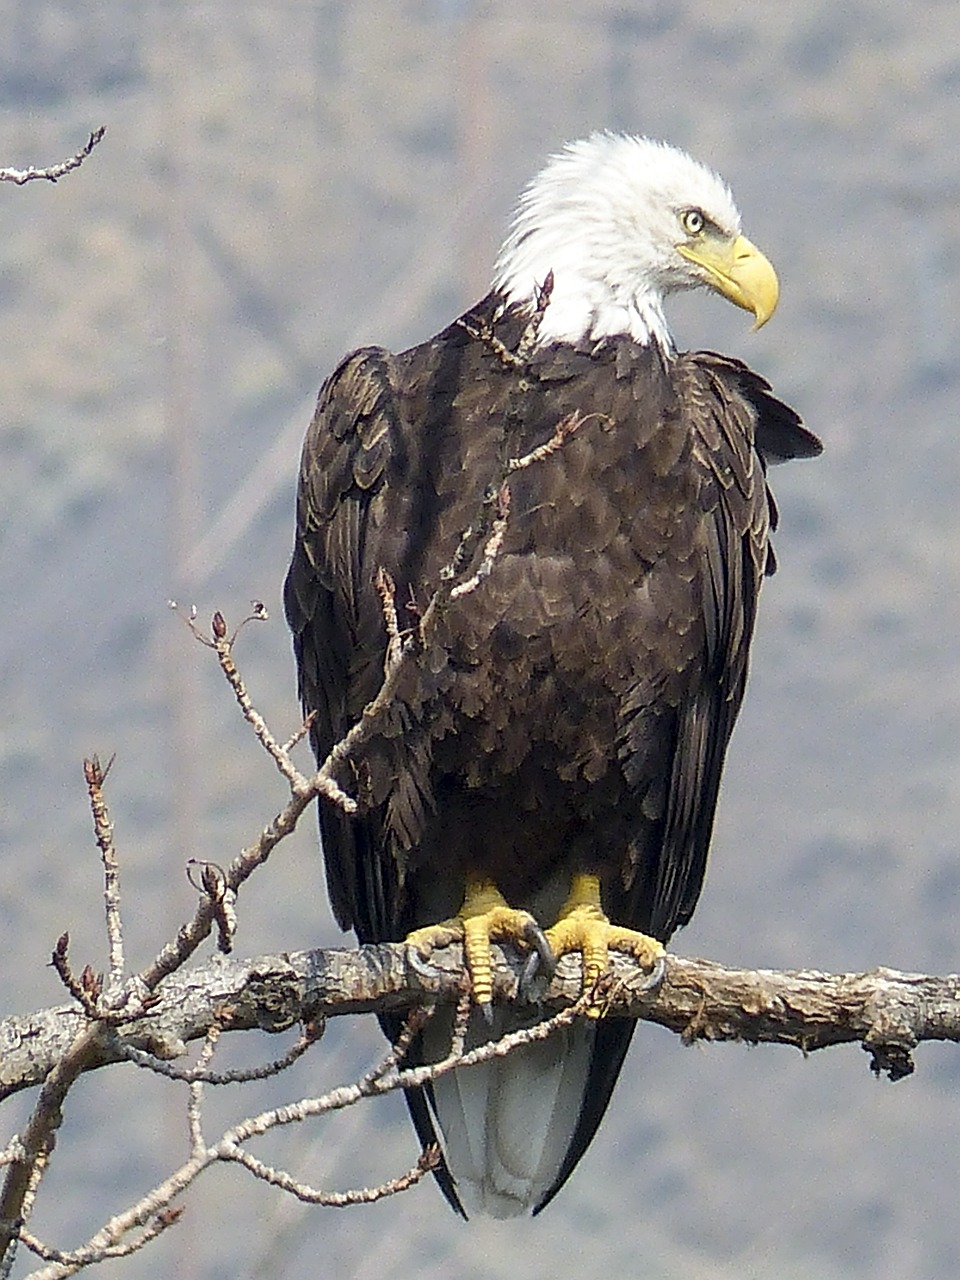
[[466, 550], [483, 332], [399, 651], [96, 775], [71, 1262], [301, 733], [240, 1075], [461, 1021], [222, 899], [387, 591], [54, 172], [518, 360], [154, 1214], [37, 1139], [561, 434], [222, 644], [528, 339], [429, 1159], [304, 789], [219, 888], [82, 989], [195, 1092], [491, 548], [375, 1085], [191, 934], [414, 1024]]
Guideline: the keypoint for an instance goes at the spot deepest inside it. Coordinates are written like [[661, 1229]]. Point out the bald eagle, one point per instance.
[[547, 769]]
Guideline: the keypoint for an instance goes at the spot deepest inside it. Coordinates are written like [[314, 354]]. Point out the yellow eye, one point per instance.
[[692, 221]]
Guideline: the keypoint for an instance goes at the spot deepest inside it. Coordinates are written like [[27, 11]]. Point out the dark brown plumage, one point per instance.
[[571, 713]]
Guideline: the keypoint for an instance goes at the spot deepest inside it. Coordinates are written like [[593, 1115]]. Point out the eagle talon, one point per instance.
[[418, 962], [527, 982], [537, 973], [583, 926], [542, 958], [654, 980], [484, 916]]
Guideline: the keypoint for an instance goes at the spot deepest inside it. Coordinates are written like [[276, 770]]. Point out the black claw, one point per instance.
[[418, 963], [657, 974], [527, 975], [542, 948], [541, 964]]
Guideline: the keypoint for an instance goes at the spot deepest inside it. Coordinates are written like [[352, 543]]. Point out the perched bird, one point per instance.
[[571, 520]]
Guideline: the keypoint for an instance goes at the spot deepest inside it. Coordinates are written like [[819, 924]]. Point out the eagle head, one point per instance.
[[622, 222]]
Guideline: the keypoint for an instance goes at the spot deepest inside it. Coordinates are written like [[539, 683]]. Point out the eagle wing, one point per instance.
[[339, 640], [733, 421], [338, 629]]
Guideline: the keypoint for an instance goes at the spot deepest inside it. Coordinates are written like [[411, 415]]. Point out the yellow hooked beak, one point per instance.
[[737, 269]]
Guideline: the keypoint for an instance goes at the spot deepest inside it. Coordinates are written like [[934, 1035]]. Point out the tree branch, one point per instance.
[[53, 172], [886, 1011]]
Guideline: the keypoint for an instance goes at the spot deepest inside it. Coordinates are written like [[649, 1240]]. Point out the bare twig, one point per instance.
[[67, 1264], [528, 339], [37, 1139], [491, 548], [429, 1159], [222, 644], [223, 899], [483, 331], [195, 1093], [239, 1075], [387, 591], [461, 1021], [561, 434], [375, 1083], [400, 651], [413, 1025], [82, 989], [301, 733], [53, 172], [96, 775], [76, 1260], [191, 934]]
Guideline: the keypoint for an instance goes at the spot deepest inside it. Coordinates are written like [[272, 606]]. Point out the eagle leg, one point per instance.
[[583, 926], [485, 915]]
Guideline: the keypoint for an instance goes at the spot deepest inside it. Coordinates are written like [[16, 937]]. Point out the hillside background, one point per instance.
[[282, 181]]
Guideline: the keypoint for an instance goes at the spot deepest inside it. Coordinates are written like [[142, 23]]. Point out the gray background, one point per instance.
[[282, 181]]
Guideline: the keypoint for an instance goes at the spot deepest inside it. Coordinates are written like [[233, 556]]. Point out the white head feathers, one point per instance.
[[604, 217]]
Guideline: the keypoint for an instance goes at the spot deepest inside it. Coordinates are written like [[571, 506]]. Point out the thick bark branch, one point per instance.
[[886, 1011]]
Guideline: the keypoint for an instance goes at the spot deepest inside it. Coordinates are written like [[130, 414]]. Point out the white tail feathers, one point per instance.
[[506, 1124]]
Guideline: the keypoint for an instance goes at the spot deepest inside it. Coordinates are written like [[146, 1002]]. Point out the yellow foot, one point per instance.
[[484, 916], [583, 926]]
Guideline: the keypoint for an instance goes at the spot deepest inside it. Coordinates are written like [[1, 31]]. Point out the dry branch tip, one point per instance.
[[53, 172]]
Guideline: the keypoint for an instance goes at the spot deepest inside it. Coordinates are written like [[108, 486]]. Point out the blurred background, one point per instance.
[[280, 182]]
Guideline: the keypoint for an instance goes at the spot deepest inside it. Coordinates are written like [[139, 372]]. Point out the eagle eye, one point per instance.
[[693, 221]]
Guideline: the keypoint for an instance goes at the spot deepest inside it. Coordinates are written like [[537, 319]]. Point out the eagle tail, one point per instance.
[[507, 1125]]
